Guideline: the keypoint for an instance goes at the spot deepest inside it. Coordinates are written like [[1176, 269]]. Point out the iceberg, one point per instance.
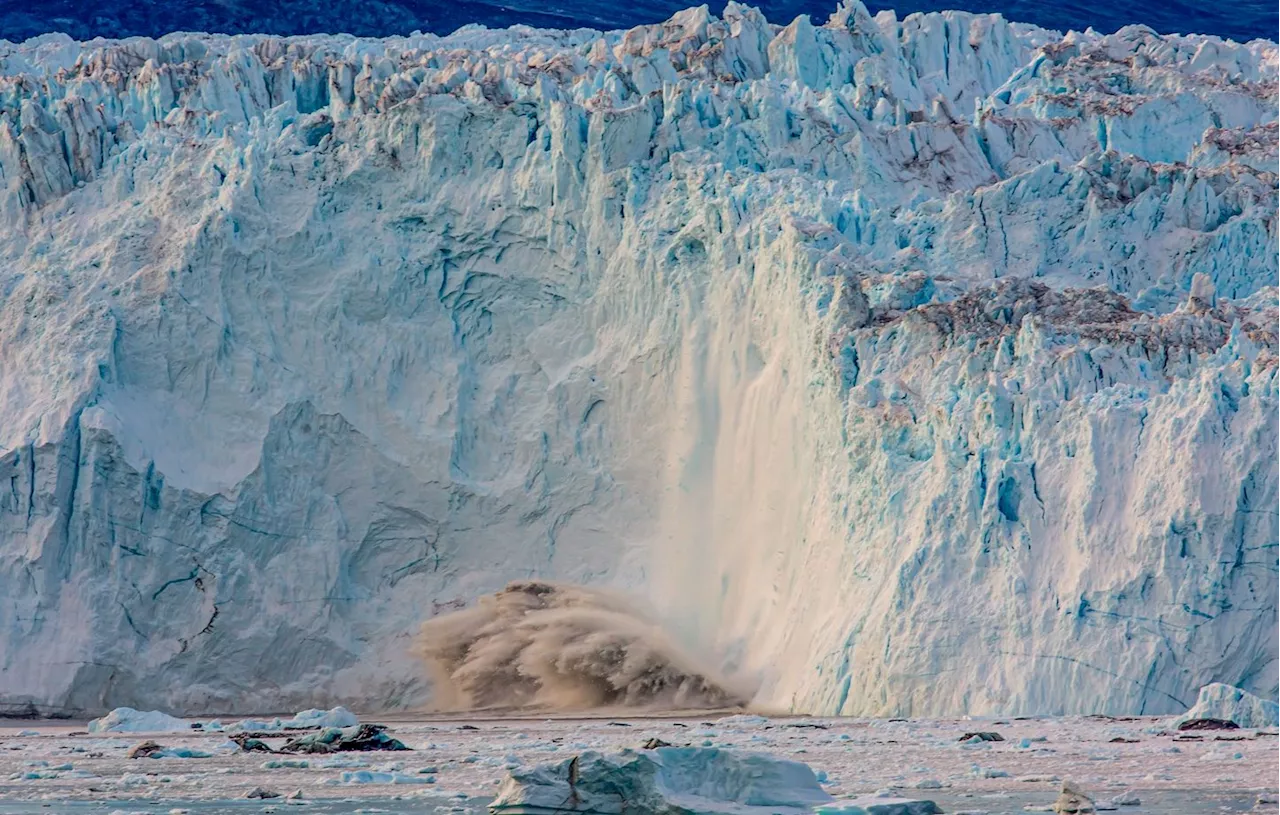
[[663, 781], [128, 720], [335, 717], [303, 720], [1227, 703], [920, 365]]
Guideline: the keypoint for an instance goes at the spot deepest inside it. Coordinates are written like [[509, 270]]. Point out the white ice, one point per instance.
[[907, 366], [1219, 701], [128, 720]]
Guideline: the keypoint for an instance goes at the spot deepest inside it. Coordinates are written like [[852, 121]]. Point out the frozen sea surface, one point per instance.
[[77, 772]]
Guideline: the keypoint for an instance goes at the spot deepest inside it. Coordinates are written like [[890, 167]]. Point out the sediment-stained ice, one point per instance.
[[906, 366]]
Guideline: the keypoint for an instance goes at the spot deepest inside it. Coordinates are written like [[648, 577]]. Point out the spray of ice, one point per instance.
[[564, 647]]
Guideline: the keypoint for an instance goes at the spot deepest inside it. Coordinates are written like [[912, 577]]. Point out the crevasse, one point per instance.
[[914, 366]]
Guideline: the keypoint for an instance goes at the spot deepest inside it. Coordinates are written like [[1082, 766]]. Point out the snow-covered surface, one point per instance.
[[852, 759], [920, 365], [1219, 701]]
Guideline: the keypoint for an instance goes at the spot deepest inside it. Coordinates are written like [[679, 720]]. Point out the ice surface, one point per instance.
[[664, 781], [905, 366], [128, 720], [1219, 701]]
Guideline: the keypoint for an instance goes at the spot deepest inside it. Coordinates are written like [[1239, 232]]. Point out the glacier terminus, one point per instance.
[[913, 367]]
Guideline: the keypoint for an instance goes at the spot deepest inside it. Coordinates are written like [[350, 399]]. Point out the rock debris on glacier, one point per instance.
[[920, 365]]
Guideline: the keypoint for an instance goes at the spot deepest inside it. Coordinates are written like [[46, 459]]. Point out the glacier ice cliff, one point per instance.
[[915, 366]]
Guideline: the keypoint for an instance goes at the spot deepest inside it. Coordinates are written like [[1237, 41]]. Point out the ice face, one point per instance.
[[1219, 701], [914, 366]]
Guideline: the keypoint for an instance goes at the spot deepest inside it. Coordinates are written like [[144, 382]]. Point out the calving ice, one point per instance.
[[919, 366]]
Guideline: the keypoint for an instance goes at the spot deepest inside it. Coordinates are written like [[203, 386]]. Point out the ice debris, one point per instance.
[[1227, 703], [143, 749], [151, 749], [1072, 801], [377, 777], [260, 792], [249, 744], [362, 737], [304, 720]]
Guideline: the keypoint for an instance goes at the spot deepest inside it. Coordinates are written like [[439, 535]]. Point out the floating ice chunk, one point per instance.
[[334, 717], [254, 725], [1219, 701], [180, 752], [1214, 755], [374, 777], [1073, 800], [128, 720], [876, 805], [743, 720], [286, 763], [307, 719], [339, 762], [668, 779]]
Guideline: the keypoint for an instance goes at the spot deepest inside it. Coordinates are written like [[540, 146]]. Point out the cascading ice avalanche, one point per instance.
[[915, 366]]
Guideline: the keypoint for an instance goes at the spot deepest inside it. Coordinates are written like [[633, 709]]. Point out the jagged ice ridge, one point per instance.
[[915, 366]]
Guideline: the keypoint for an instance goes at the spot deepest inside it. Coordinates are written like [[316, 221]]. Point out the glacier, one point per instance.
[[914, 366]]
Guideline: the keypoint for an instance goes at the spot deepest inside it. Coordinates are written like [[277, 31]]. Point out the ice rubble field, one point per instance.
[[454, 766], [915, 367]]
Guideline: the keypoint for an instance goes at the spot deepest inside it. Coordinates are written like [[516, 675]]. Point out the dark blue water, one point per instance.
[[84, 19]]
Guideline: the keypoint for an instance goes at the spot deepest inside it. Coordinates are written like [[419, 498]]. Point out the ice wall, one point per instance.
[[916, 366]]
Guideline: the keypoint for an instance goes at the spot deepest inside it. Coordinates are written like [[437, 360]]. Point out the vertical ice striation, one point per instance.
[[917, 366]]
